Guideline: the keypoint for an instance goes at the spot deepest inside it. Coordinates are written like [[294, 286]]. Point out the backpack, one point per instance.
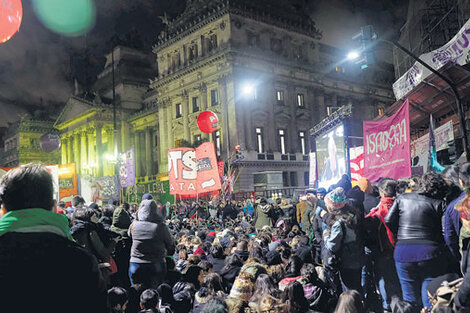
[[444, 296]]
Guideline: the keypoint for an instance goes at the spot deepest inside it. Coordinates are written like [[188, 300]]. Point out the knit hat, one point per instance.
[[147, 196], [243, 286], [365, 185], [200, 252], [253, 268], [336, 199], [211, 233], [321, 190]]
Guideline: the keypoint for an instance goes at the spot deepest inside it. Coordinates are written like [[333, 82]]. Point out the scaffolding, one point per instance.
[[430, 24]]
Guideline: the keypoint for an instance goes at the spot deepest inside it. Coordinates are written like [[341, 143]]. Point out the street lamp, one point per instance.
[[353, 55], [248, 90]]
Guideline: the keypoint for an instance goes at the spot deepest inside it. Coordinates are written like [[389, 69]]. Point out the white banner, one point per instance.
[[455, 51], [420, 146], [312, 156]]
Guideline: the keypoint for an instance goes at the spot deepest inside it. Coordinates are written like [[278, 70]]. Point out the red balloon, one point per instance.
[[207, 122], [11, 15]]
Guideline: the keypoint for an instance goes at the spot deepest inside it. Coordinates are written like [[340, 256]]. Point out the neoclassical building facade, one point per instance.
[[259, 65]]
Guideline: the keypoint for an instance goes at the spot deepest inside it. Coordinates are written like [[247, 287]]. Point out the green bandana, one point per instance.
[[34, 221]]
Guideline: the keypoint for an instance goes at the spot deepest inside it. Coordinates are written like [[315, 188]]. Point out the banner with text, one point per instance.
[[455, 51], [68, 184], [192, 171], [127, 168], [356, 155], [387, 146], [160, 191]]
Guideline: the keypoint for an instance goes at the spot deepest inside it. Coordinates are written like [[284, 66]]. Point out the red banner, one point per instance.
[[192, 171], [387, 146]]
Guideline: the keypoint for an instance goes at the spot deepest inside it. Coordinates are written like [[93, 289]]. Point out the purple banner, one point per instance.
[[127, 168]]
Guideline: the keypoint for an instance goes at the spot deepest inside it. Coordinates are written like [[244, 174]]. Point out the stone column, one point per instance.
[[148, 152], [169, 125], [271, 126], [138, 155], [204, 105], [110, 151], [99, 151], [249, 129], [291, 138], [83, 151], [320, 97], [63, 149], [185, 109], [125, 136], [69, 149], [224, 132], [76, 150], [91, 150], [162, 138]]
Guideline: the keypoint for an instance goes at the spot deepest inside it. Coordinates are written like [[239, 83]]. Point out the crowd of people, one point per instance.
[[394, 246]]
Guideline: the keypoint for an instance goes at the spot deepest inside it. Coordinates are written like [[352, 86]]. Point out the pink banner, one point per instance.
[[387, 146]]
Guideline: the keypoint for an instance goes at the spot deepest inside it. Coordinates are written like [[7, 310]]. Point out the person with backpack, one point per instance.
[[343, 250]]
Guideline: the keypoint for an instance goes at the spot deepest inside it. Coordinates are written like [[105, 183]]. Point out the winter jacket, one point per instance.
[[121, 222], [228, 276], [380, 212], [452, 226], [301, 206], [263, 213], [307, 217], [343, 241], [305, 253], [217, 263], [41, 264], [106, 221], [416, 219], [151, 239], [370, 202], [94, 238], [183, 293]]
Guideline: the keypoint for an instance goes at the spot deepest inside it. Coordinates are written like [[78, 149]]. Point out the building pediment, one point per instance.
[[73, 108]]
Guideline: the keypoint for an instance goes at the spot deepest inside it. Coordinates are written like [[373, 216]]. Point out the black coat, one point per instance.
[[370, 202], [305, 253], [41, 267], [416, 219], [228, 276], [217, 263]]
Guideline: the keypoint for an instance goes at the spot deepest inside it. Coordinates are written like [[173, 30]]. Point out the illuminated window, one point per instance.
[[259, 139], [195, 101], [214, 97], [300, 100], [179, 110], [381, 111], [280, 97], [282, 140], [302, 142], [217, 142]]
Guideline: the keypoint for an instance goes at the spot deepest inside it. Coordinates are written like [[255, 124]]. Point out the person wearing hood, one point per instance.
[[307, 217], [120, 225], [107, 216], [151, 242], [263, 214]]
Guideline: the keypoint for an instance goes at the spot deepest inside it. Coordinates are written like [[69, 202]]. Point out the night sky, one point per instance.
[[38, 67]]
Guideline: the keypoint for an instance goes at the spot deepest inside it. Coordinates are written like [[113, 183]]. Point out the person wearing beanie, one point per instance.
[[341, 240], [370, 200]]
